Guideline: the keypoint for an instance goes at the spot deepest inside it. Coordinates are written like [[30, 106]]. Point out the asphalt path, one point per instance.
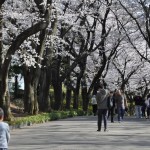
[[80, 133]]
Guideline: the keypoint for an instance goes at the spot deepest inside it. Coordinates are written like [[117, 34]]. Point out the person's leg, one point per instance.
[[139, 111], [148, 113], [136, 111], [105, 119], [122, 113], [94, 109], [143, 111], [109, 113], [112, 114], [99, 119], [119, 113]]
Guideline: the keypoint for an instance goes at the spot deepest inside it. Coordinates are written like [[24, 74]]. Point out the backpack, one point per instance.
[[110, 102]]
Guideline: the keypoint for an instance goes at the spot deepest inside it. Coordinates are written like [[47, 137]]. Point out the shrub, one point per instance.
[[44, 117]]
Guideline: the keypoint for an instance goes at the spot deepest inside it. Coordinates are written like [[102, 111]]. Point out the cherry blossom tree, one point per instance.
[[74, 42], [16, 36], [138, 28]]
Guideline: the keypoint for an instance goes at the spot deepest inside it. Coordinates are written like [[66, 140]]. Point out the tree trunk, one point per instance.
[[1, 37], [31, 98], [33, 104], [4, 92], [57, 95], [85, 99], [1, 2], [26, 91], [1, 51], [57, 83], [44, 95], [75, 99], [76, 95], [68, 97], [5, 98], [123, 85], [30, 94], [82, 66], [16, 87], [77, 89], [46, 76], [84, 92]]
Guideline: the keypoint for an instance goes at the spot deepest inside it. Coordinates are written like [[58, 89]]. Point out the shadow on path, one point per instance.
[[79, 133]]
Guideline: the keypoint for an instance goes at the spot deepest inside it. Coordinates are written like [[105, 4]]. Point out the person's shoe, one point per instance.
[[99, 130], [112, 121], [105, 130]]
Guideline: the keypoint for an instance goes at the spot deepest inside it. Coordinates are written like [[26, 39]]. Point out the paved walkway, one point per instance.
[[80, 133]]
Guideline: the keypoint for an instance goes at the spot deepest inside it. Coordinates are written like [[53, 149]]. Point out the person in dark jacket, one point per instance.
[[101, 98], [143, 109], [138, 105], [111, 108], [147, 103]]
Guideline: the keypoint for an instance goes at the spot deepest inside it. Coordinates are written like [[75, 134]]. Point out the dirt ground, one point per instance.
[[17, 109]]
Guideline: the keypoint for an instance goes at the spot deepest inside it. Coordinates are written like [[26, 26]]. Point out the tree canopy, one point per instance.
[[74, 43]]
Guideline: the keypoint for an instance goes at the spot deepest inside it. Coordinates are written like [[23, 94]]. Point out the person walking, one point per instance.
[[101, 98], [138, 105], [143, 109], [4, 132], [111, 106], [147, 102], [121, 104], [94, 104]]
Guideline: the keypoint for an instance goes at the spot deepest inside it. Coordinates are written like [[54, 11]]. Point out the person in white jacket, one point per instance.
[[94, 105]]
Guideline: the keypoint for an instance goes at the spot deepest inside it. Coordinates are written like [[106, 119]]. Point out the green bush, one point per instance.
[[44, 117]]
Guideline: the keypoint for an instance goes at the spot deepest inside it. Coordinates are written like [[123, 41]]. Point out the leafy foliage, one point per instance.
[[44, 117]]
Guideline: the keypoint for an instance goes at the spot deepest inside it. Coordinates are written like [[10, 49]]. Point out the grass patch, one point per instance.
[[18, 122]]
